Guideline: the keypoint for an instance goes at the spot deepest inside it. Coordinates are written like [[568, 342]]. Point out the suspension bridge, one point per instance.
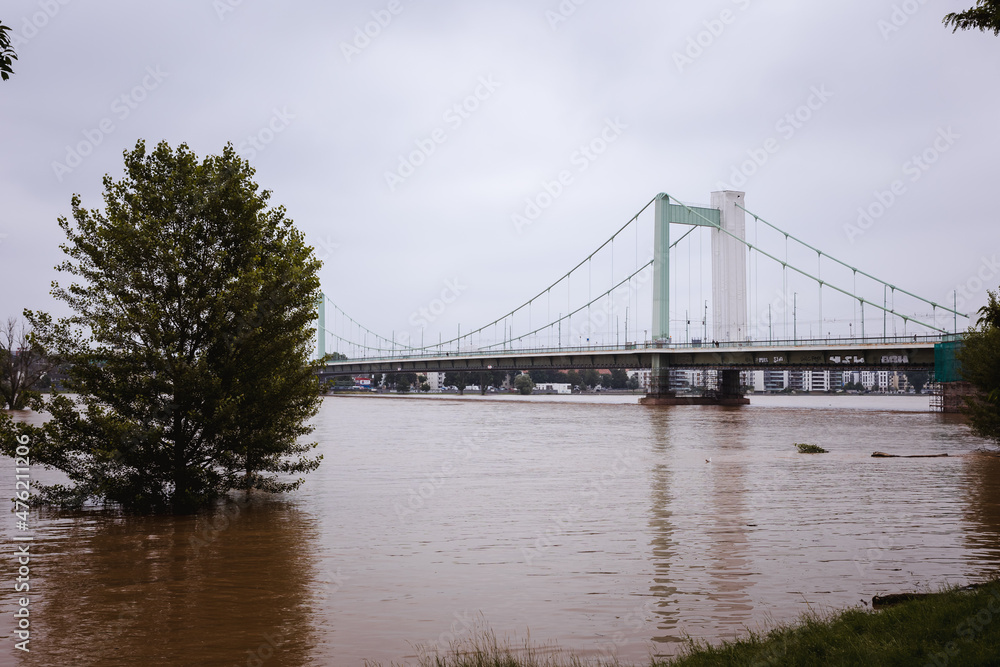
[[731, 292]]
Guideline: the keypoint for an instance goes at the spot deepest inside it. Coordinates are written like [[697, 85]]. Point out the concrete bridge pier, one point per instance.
[[660, 392]]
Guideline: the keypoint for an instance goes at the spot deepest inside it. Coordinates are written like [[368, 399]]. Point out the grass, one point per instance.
[[951, 628], [484, 650], [809, 449], [954, 628]]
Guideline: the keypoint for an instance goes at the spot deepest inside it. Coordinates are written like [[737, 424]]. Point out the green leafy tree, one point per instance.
[[458, 379], [591, 378], [190, 346], [633, 383], [404, 381], [984, 16], [574, 378], [979, 357], [496, 379], [523, 384], [7, 55], [618, 379]]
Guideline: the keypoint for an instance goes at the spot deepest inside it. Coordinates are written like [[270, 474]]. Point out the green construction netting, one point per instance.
[[946, 367]]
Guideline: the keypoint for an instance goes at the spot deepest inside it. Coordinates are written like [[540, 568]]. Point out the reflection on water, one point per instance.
[[595, 523], [154, 591], [982, 511]]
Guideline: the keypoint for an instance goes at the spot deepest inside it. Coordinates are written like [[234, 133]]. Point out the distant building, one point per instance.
[[775, 380], [435, 380], [797, 381], [554, 388]]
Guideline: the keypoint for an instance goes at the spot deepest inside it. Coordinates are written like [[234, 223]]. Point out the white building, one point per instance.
[[554, 388], [644, 375], [435, 380]]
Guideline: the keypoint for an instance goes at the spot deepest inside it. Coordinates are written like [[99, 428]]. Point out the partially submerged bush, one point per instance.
[[809, 449]]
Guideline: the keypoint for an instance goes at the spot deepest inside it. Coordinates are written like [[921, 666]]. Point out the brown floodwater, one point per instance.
[[596, 524]]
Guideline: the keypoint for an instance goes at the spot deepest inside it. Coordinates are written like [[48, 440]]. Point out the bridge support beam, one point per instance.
[[730, 390], [660, 392]]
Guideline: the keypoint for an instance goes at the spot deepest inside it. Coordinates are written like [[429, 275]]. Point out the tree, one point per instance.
[[574, 378], [979, 357], [23, 365], [917, 379], [404, 381], [591, 378], [343, 382], [633, 383], [618, 379], [524, 384], [190, 346], [457, 379], [496, 378], [7, 55], [984, 16]]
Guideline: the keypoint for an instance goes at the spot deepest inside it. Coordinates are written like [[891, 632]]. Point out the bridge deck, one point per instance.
[[898, 353]]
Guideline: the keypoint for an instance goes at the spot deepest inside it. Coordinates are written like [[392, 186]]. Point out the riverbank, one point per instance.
[[960, 626]]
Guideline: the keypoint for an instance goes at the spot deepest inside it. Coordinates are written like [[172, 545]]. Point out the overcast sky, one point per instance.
[[832, 101]]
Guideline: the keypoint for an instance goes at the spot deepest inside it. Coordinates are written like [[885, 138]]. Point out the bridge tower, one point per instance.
[[729, 292], [321, 327]]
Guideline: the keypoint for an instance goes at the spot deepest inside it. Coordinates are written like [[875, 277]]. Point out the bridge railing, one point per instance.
[[832, 341]]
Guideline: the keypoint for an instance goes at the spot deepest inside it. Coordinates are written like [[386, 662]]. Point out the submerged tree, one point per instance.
[[984, 16], [190, 346], [980, 360], [23, 365]]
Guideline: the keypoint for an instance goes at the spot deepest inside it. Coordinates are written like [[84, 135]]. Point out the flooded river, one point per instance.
[[597, 524]]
